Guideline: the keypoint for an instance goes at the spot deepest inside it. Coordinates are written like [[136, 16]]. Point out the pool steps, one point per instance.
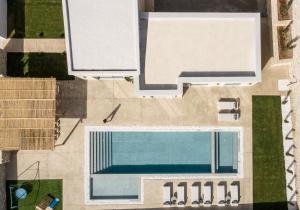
[[100, 151]]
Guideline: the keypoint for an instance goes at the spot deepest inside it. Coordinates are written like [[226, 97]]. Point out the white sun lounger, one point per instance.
[[221, 195], [166, 195], [228, 116], [234, 190], [207, 198], [228, 105], [195, 196], [181, 195]]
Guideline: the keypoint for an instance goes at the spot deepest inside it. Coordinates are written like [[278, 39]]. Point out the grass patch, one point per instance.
[[41, 65], [39, 190], [269, 190], [35, 19]]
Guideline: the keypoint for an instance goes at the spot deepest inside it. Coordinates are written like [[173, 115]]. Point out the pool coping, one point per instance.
[[144, 177]]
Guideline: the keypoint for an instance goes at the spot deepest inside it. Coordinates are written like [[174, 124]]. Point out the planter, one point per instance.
[[284, 39], [284, 8]]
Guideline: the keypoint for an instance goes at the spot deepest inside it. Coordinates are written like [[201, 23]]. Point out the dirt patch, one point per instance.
[[284, 8]]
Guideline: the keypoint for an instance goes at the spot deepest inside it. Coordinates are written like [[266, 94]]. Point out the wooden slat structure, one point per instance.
[[27, 113]]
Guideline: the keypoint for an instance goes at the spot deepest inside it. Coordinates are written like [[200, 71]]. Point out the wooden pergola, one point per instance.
[[27, 113]]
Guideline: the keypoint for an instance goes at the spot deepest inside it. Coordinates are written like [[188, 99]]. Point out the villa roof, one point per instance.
[[102, 35], [27, 113], [161, 50], [201, 44]]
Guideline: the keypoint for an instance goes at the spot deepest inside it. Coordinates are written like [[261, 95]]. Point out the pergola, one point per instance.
[[27, 113]]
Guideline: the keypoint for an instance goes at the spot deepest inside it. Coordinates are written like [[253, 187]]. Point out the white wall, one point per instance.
[[3, 18]]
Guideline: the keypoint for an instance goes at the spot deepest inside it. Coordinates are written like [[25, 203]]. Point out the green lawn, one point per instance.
[[38, 65], [39, 190], [35, 19], [269, 192]]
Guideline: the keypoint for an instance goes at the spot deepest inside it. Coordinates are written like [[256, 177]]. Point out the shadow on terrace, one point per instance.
[[210, 6], [71, 99], [256, 206]]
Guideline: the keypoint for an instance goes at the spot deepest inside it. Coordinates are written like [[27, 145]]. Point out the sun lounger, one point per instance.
[[167, 195], [207, 198], [234, 190], [181, 195], [228, 116], [221, 195], [195, 195], [228, 105]]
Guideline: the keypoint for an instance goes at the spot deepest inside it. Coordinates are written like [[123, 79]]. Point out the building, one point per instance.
[[116, 39]]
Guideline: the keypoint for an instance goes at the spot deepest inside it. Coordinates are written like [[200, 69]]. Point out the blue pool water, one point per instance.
[[226, 152], [163, 152]]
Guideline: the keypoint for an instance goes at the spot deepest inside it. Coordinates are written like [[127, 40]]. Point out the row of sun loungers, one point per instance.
[[180, 198], [228, 109]]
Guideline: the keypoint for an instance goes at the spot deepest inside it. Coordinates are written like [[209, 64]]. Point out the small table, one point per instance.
[[227, 199], [173, 200]]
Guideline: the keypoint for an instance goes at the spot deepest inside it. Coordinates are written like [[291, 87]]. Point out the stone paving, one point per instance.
[[33, 45], [96, 99]]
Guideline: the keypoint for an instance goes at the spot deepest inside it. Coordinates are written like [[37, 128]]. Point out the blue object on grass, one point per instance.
[[54, 203], [20, 193]]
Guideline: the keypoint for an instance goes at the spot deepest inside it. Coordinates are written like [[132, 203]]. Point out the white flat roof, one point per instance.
[[210, 43], [102, 34]]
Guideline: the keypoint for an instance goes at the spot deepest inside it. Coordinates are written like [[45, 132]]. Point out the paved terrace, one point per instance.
[[33, 45], [197, 108]]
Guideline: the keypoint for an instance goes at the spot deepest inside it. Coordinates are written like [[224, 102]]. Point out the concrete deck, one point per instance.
[[198, 107]]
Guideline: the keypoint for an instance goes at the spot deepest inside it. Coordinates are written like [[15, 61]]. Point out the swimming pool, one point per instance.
[[163, 152], [227, 144]]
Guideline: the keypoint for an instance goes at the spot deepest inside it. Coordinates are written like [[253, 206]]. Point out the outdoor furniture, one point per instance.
[[231, 104], [173, 200], [44, 203], [167, 195], [228, 198], [283, 85], [228, 116], [207, 198], [181, 196], [20, 193], [234, 189], [221, 195], [195, 195]]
